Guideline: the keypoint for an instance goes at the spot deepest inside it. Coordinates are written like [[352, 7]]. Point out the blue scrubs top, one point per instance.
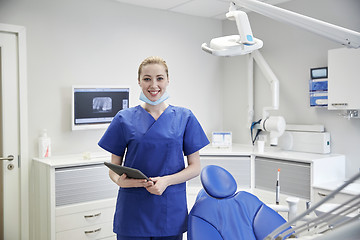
[[157, 148]]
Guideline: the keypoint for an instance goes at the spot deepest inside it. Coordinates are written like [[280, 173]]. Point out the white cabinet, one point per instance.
[[295, 177], [94, 221], [73, 198], [323, 190], [343, 79], [320, 194], [299, 172]]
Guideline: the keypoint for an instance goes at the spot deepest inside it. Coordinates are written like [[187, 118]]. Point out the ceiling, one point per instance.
[[203, 8]]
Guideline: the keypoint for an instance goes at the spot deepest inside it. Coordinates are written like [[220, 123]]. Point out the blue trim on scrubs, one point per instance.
[[157, 148]]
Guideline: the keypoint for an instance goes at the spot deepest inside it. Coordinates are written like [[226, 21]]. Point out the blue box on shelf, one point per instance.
[[318, 85], [318, 99]]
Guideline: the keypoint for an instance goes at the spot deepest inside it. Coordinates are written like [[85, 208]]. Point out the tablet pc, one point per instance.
[[130, 172]]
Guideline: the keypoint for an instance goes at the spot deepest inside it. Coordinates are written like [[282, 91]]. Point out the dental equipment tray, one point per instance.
[[130, 172]]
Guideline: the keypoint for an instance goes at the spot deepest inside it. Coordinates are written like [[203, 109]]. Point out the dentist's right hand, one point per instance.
[[125, 182]]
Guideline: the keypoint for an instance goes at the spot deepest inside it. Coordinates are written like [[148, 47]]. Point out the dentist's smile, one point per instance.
[[154, 93]]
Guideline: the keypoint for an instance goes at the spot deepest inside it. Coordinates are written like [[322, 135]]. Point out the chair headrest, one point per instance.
[[218, 182]]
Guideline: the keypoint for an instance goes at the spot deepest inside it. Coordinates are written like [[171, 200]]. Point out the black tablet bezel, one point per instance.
[[130, 172]]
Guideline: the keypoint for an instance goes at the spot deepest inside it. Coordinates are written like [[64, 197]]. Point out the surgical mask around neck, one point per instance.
[[164, 97]]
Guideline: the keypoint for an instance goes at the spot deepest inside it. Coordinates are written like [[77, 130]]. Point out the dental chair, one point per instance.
[[221, 214]]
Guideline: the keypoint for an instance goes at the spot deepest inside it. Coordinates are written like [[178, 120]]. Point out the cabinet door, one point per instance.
[[295, 177], [343, 79], [238, 166]]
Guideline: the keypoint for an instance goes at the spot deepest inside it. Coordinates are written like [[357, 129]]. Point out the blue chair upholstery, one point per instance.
[[220, 213]]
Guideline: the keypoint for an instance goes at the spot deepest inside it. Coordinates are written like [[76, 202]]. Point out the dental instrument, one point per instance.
[[278, 187]]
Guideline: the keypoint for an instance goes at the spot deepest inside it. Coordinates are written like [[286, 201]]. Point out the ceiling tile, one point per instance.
[[159, 4], [202, 8]]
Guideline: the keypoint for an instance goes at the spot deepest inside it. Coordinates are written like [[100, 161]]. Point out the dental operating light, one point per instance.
[[245, 42], [234, 45]]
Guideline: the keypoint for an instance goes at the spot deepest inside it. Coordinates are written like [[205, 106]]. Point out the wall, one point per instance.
[[102, 42], [291, 52]]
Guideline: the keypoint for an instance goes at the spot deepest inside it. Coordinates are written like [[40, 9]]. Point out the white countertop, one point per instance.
[[75, 159], [269, 152], [352, 188], [235, 150]]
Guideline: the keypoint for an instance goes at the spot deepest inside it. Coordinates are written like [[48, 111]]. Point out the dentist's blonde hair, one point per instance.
[[153, 60]]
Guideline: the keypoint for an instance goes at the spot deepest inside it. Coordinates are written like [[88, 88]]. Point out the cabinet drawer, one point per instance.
[[98, 231], [84, 219], [295, 177], [110, 238], [82, 184], [320, 194]]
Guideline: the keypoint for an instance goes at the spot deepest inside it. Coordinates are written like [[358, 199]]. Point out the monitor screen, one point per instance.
[[95, 107], [316, 73]]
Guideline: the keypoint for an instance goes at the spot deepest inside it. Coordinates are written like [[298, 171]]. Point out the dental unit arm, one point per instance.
[[346, 37], [274, 125]]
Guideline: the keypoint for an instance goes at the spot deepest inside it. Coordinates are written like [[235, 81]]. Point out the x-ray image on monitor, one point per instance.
[[102, 104], [95, 107]]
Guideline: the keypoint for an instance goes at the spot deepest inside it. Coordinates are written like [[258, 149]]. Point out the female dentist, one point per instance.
[[155, 136]]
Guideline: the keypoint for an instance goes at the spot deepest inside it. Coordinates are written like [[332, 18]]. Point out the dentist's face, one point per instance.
[[153, 81]]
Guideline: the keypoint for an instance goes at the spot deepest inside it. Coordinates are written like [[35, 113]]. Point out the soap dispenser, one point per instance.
[[44, 145]]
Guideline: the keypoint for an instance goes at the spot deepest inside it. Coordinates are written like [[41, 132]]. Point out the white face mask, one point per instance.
[[164, 97]]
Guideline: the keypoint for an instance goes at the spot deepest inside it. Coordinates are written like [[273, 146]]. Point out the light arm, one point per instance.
[[338, 34], [242, 23]]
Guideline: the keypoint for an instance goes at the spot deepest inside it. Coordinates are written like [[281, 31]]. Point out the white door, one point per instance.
[[9, 137]]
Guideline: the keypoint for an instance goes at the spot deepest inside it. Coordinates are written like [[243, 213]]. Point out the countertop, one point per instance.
[[75, 159], [352, 188], [235, 150], [269, 152]]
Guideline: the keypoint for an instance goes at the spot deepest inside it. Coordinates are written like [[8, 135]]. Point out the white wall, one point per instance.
[[102, 42], [291, 52]]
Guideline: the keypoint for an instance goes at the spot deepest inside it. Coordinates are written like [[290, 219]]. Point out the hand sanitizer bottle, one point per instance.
[[44, 145]]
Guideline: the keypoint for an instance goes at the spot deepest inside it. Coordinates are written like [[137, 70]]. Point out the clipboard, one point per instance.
[[130, 172]]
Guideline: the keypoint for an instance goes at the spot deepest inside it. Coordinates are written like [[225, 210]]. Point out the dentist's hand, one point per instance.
[[125, 182], [159, 185]]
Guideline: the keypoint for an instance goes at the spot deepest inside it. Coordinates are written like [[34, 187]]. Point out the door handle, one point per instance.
[[8, 158]]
